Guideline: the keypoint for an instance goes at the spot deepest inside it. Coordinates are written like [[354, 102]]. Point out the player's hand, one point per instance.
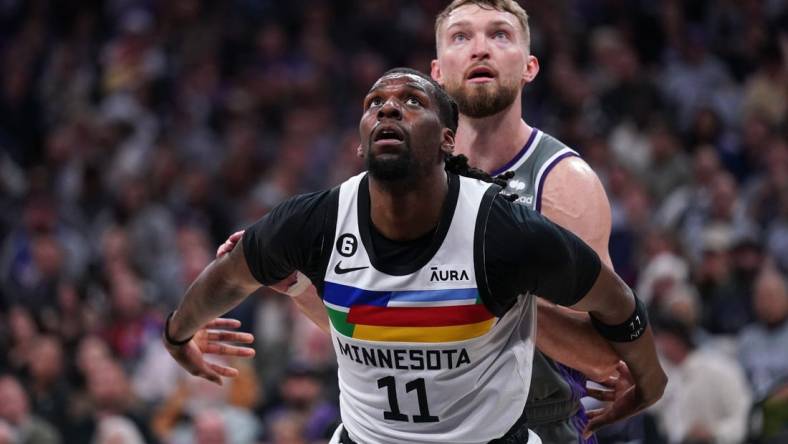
[[229, 244], [624, 397], [215, 338]]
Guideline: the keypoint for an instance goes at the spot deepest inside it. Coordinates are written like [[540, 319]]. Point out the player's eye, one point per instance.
[[501, 35], [459, 37], [374, 101], [413, 101]]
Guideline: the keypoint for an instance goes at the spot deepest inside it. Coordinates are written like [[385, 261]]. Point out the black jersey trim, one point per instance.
[[327, 241], [364, 216], [479, 253]]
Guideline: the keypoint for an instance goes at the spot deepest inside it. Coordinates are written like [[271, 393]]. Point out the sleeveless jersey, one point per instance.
[[555, 390], [421, 359]]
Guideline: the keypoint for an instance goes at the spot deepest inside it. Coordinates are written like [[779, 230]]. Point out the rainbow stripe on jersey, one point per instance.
[[407, 316]]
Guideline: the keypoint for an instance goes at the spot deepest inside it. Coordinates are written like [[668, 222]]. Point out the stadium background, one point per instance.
[[136, 135]]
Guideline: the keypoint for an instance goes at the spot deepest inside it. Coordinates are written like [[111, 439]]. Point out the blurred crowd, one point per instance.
[[136, 135]]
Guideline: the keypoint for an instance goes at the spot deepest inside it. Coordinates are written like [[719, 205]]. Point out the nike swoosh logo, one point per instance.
[[339, 270]]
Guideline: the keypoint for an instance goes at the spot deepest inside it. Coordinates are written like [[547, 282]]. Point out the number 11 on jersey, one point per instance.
[[421, 392]]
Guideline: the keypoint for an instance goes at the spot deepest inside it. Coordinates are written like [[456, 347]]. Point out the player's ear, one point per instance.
[[435, 72], [447, 142], [531, 69], [360, 151]]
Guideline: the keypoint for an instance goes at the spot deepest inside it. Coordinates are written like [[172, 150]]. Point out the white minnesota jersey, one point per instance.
[[421, 359]]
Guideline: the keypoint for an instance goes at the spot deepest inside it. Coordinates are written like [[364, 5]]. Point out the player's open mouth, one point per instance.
[[388, 134], [481, 74]]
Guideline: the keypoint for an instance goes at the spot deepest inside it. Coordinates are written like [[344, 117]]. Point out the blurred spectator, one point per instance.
[[287, 427], [694, 77], [109, 389], [669, 167], [38, 252], [22, 334], [209, 428], [117, 430], [694, 408], [727, 306], [721, 218], [7, 435], [765, 91], [681, 203], [49, 391], [15, 410], [303, 406], [174, 420], [762, 346], [660, 275], [132, 324]]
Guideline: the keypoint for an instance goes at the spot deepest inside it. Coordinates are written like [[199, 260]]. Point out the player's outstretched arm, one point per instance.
[[623, 321], [573, 197], [222, 285], [565, 270], [297, 286]]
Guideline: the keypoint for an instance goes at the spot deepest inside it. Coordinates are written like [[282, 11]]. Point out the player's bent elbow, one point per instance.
[[661, 385]]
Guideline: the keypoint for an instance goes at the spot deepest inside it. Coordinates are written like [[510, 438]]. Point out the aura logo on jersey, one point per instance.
[[407, 316], [439, 275]]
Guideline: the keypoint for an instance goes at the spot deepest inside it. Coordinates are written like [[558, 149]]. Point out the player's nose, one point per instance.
[[390, 110], [480, 48]]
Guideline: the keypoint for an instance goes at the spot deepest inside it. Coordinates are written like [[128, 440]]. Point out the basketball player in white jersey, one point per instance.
[[428, 279], [484, 61]]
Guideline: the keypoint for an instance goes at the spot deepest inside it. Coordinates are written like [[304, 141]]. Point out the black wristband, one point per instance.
[[169, 338], [627, 331]]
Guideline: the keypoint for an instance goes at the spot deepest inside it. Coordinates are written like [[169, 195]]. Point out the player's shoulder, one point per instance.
[[307, 201], [567, 158], [507, 213], [566, 169], [574, 169], [298, 209]]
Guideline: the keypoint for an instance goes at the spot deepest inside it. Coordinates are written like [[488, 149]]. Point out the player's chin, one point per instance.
[[389, 166]]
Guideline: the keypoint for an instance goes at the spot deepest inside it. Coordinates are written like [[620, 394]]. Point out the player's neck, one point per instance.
[[492, 141], [408, 211]]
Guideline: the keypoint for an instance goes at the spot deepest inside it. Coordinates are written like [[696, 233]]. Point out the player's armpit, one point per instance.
[[297, 286], [568, 337], [304, 295], [574, 198]]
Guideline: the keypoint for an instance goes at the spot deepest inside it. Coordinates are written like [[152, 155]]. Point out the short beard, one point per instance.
[[482, 100], [394, 169]]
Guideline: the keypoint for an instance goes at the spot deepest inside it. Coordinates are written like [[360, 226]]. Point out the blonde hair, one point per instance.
[[509, 6]]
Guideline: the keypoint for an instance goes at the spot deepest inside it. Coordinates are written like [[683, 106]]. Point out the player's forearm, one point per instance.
[[215, 291], [611, 303], [568, 337], [641, 358]]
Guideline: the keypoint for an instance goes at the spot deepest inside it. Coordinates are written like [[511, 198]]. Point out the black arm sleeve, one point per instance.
[[526, 253], [291, 237]]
